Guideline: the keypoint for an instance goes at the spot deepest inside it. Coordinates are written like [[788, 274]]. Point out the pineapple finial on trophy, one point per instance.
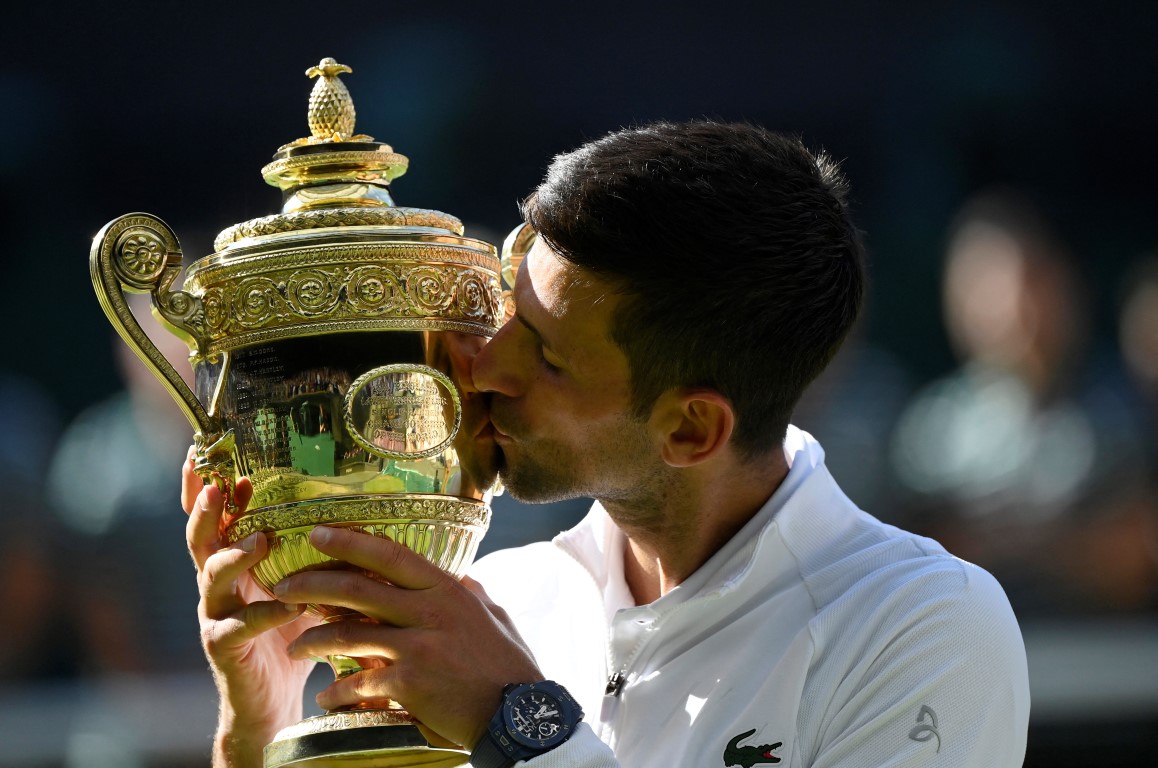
[[333, 167], [331, 116], [331, 110]]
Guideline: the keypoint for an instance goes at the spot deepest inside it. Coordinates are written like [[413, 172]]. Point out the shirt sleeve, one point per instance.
[[940, 679], [582, 750]]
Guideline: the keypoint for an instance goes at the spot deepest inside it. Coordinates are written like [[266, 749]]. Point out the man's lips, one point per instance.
[[499, 435], [489, 430]]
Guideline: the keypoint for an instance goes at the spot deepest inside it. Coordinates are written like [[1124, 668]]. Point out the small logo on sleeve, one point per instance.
[[746, 757], [926, 726]]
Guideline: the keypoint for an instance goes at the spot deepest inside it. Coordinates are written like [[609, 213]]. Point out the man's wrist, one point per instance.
[[240, 741], [233, 751]]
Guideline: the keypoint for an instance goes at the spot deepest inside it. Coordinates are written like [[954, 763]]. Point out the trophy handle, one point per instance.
[[511, 255], [139, 253]]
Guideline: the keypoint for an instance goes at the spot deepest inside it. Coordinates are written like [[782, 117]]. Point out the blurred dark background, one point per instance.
[[1001, 393]]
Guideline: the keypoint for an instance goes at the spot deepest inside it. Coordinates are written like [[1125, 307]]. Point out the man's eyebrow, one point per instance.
[[527, 324], [543, 341]]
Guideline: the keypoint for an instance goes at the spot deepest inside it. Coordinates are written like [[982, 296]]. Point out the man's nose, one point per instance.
[[494, 368]]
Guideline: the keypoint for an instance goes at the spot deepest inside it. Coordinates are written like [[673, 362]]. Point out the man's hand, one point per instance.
[[243, 632], [437, 646]]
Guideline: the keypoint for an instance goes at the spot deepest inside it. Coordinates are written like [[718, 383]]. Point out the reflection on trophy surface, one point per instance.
[[330, 345]]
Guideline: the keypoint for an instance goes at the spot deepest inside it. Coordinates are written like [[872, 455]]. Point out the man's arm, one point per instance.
[[243, 634]]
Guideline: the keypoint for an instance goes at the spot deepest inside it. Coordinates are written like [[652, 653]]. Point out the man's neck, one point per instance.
[[696, 523]]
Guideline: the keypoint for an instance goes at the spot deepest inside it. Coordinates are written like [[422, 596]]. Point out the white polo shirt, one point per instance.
[[817, 636]]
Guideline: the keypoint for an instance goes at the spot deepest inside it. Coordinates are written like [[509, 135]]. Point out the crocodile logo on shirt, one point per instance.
[[746, 757]]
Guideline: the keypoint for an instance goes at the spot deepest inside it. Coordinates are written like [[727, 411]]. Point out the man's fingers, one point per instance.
[[349, 637], [222, 569], [191, 484], [393, 561], [202, 529], [356, 591], [242, 493], [370, 686], [222, 636], [475, 587]]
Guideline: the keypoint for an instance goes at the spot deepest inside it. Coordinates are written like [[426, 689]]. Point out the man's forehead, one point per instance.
[[556, 285]]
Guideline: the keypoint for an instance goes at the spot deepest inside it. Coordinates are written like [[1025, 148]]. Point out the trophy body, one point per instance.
[[330, 345]]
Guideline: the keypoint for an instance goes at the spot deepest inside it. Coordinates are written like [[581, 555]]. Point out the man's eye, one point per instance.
[[547, 363]]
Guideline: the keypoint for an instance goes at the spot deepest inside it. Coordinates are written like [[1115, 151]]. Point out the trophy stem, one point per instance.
[[343, 666]]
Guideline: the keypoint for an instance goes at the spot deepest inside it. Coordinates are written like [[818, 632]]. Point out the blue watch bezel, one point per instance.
[[569, 711], [513, 745]]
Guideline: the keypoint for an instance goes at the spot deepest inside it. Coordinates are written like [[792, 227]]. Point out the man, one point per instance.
[[723, 603]]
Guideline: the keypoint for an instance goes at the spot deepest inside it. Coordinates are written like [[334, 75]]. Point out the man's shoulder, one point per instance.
[[868, 565], [912, 588]]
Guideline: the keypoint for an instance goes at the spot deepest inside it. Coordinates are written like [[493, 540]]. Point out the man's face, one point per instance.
[[560, 390]]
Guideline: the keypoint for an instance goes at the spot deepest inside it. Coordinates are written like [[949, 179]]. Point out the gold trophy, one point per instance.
[[329, 344]]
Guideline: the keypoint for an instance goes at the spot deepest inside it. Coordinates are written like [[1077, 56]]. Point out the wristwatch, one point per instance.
[[534, 718]]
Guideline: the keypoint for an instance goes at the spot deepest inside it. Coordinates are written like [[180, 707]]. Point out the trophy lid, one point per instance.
[[340, 255], [334, 168], [332, 153]]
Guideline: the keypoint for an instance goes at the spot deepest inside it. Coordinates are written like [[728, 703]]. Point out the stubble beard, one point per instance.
[[622, 474], [535, 482]]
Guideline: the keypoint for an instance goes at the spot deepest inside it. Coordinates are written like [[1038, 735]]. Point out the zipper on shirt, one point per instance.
[[615, 683], [610, 701]]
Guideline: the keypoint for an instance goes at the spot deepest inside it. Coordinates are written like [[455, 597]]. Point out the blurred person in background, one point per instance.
[[1004, 453], [110, 484], [38, 641], [1138, 341], [1112, 536]]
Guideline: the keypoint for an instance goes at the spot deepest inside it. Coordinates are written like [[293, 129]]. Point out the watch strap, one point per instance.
[[490, 751]]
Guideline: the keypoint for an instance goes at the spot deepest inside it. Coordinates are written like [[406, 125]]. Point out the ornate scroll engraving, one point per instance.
[[242, 305], [340, 217], [312, 292], [363, 509], [375, 290]]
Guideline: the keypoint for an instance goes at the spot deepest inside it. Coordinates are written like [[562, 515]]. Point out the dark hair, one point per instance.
[[740, 267]]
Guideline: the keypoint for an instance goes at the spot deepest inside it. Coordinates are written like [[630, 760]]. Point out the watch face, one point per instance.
[[537, 717]]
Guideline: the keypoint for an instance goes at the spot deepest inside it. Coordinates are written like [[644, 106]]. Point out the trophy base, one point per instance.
[[359, 739]]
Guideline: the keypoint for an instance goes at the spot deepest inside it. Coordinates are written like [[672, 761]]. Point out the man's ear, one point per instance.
[[695, 425]]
